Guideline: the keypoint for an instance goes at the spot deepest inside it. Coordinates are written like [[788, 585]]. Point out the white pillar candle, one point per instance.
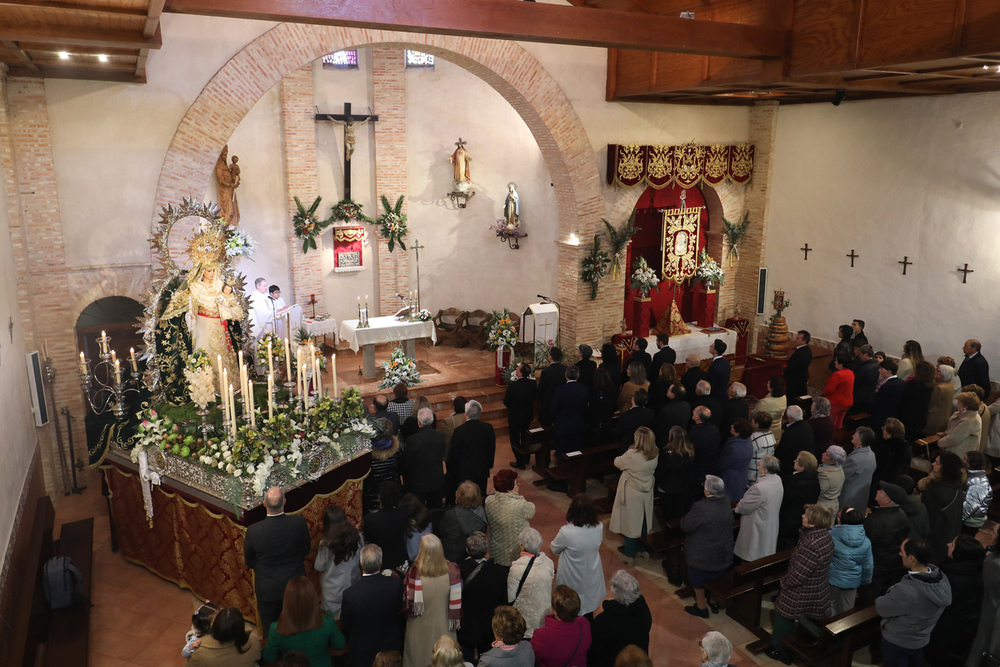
[[83, 364], [270, 397], [232, 407], [222, 384], [333, 370], [270, 363], [244, 385], [131, 360], [288, 361], [253, 419], [223, 392]]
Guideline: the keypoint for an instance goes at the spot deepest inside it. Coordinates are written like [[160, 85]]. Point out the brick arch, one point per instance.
[[86, 287], [505, 66]]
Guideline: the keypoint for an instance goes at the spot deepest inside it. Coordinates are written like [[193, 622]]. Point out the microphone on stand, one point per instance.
[[543, 297], [401, 296]]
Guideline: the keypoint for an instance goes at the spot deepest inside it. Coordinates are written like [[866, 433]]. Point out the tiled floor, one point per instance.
[[139, 619]]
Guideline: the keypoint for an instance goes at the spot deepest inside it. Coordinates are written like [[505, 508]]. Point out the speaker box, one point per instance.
[[761, 290], [37, 387]]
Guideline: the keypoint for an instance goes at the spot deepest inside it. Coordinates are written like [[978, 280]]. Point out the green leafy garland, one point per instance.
[[595, 267], [307, 226], [735, 231], [347, 210], [392, 223], [618, 239]]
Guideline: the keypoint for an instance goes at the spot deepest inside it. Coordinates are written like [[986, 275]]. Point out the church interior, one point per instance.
[[856, 138]]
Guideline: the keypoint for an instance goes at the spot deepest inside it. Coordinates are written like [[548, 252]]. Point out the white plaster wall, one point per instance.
[[914, 177], [108, 140], [18, 435]]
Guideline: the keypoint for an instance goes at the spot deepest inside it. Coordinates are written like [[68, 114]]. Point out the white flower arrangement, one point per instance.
[[500, 330], [399, 368], [644, 278], [708, 270], [240, 244]]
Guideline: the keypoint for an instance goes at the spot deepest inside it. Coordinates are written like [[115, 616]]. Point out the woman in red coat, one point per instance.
[[840, 390], [565, 638], [805, 588]]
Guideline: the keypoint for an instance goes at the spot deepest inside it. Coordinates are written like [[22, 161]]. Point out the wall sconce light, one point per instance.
[[573, 239]]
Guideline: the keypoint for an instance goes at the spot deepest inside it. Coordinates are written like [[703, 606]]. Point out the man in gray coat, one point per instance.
[[911, 608], [858, 470], [709, 541]]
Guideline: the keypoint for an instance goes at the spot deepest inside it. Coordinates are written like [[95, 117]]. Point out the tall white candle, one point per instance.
[[270, 362], [222, 384], [223, 391], [333, 370], [288, 361], [131, 360], [270, 397], [244, 384], [83, 364], [253, 420], [232, 406]]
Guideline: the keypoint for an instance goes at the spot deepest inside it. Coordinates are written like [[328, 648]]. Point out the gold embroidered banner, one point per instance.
[[685, 166], [680, 243]]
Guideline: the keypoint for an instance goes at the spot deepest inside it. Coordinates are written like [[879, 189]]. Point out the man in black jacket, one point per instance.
[[886, 527], [569, 413], [473, 448], [677, 412], [887, 397], [387, 526], [798, 437], [693, 375], [275, 549], [975, 369], [866, 373], [640, 355], [370, 610], [552, 377], [796, 371], [707, 444], [587, 366], [664, 355], [484, 588], [423, 458], [630, 421], [519, 400]]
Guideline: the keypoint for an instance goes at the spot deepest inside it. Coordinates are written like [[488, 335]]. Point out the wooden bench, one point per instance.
[[69, 628], [30, 613], [741, 590], [839, 637], [537, 441], [575, 470]]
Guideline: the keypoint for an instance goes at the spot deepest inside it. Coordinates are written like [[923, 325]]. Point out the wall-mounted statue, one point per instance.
[[228, 177]]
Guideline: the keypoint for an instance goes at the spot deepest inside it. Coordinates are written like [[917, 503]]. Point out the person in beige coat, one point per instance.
[[831, 478], [940, 407], [632, 514], [965, 426], [760, 508]]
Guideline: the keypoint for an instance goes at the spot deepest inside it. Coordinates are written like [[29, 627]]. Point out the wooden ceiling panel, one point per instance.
[[982, 26], [822, 36], [677, 72], [633, 71], [894, 30], [733, 69]]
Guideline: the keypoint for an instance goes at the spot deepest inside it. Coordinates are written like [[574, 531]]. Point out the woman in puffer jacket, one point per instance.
[[978, 494], [852, 564]]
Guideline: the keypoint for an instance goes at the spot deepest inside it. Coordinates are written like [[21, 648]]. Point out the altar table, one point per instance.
[[195, 540], [696, 342], [384, 330]]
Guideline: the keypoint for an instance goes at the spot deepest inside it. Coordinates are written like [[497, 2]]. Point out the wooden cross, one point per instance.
[[806, 249], [417, 248], [349, 121], [965, 272], [853, 257], [906, 262]]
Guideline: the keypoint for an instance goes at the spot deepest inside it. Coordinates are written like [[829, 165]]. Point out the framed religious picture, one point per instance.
[[348, 249], [680, 243]]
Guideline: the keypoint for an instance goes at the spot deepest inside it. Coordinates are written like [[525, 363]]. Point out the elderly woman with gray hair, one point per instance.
[[626, 619], [709, 541], [831, 477], [760, 509], [715, 650], [529, 581]]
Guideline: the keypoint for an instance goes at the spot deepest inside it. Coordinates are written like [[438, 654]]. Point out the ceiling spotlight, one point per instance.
[[63, 55], [986, 66], [102, 58]]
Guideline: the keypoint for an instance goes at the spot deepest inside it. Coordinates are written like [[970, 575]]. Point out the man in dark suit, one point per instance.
[[859, 338], [552, 377], [677, 412], [381, 405], [569, 413], [719, 370], [630, 421], [798, 437], [275, 549], [975, 369], [640, 355], [796, 371], [370, 611], [887, 397], [473, 448], [866, 373], [735, 407], [387, 527], [707, 444], [519, 400], [587, 366], [703, 396], [484, 588], [422, 459], [693, 375], [664, 355]]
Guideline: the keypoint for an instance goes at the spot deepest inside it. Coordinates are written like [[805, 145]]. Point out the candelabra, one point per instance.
[[107, 396], [363, 315]]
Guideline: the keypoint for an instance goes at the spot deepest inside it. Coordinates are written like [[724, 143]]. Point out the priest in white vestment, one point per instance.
[[260, 309]]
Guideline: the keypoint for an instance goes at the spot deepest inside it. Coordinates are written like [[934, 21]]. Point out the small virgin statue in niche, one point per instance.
[[512, 208]]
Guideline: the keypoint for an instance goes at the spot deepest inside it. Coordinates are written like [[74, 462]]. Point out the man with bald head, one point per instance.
[[275, 549], [975, 369]]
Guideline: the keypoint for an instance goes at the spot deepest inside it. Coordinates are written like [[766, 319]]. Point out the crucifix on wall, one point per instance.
[[350, 122]]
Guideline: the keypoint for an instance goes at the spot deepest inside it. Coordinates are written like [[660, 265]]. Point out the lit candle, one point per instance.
[[45, 349], [83, 364], [118, 372], [240, 364], [270, 397], [288, 361], [114, 358], [223, 392], [270, 362], [104, 342], [333, 370], [131, 360]]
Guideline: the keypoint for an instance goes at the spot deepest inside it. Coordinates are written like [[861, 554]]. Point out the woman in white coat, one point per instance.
[[578, 546], [632, 514], [759, 508]]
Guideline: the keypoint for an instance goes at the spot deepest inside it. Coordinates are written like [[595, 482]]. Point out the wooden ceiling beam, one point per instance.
[[65, 36], [153, 18], [877, 85], [20, 54], [126, 75], [75, 8], [522, 21]]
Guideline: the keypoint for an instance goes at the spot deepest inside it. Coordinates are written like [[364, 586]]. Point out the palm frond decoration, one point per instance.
[[307, 226], [735, 231], [392, 223], [618, 240]]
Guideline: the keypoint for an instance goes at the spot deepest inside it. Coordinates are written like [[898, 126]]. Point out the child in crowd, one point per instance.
[[201, 624]]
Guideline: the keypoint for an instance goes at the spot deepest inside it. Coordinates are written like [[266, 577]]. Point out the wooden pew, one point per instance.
[[840, 636], [576, 469], [537, 441], [27, 625], [741, 590], [69, 628]]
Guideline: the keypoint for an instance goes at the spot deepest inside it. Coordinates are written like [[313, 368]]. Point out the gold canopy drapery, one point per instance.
[[684, 166]]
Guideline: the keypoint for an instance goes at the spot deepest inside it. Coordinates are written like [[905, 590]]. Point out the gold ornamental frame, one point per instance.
[[679, 244]]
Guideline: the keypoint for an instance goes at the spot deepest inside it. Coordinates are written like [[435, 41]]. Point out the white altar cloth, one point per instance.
[[384, 330], [696, 342], [320, 327]]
